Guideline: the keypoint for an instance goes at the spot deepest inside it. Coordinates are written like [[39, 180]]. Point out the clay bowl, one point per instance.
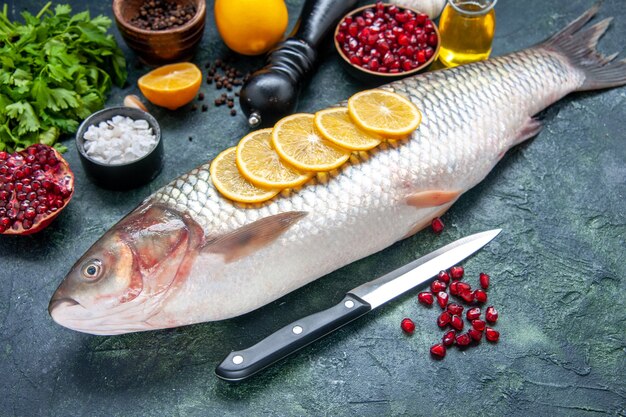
[[374, 77], [157, 47]]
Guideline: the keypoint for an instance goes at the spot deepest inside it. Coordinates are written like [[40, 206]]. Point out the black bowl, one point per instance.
[[121, 176]]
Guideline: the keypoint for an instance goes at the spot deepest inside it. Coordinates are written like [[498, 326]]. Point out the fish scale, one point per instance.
[[207, 258]]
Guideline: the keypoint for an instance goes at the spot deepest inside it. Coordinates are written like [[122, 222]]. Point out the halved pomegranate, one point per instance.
[[35, 186]]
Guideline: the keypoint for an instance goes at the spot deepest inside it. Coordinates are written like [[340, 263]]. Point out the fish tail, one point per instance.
[[578, 44]]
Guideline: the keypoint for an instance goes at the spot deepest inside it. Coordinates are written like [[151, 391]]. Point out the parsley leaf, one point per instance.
[[56, 69]]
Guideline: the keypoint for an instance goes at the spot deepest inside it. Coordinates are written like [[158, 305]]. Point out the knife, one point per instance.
[[242, 364]]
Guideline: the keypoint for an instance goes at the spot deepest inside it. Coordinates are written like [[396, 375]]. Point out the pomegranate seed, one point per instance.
[[425, 298], [463, 287], [491, 334], [456, 322], [491, 315], [404, 40], [454, 288], [457, 272], [443, 276], [480, 296], [442, 299], [353, 29], [454, 308], [468, 297], [407, 326], [448, 338], [475, 334], [374, 64], [478, 325], [432, 39], [437, 286], [420, 56], [444, 319], [463, 339], [484, 280], [473, 313], [437, 225], [438, 351], [421, 19]]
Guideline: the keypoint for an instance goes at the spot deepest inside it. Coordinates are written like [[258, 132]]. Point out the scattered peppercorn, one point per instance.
[[201, 96], [162, 15], [223, 75], [205, 107]]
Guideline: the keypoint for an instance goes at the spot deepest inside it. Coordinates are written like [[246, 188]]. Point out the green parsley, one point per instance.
[[57, 69]]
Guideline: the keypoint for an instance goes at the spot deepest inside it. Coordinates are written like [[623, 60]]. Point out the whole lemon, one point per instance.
[[251, 27]]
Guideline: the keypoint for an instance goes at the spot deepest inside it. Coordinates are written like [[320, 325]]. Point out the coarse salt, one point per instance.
[[119, 141]]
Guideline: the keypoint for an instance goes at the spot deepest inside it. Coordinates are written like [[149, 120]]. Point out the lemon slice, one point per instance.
[[259, 163], [228, 181], [336, 125], [298, 142], [171, 86], [383, 112]]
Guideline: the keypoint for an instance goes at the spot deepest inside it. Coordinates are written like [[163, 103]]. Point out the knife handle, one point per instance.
[[280, 344]]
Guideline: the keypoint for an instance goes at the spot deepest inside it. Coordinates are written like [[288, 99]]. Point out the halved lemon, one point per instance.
[[384, 112], [229, 181], [336, 125], [259, 163], [298, 142], [171, 86]]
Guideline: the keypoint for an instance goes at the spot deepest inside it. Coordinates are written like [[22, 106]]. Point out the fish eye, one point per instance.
[[92, 269]]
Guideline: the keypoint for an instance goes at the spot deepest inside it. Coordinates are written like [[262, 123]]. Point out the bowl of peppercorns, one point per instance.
[[161, 31], [385, 42]]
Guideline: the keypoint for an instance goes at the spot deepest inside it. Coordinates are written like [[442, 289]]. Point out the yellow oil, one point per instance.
[[465, 38]]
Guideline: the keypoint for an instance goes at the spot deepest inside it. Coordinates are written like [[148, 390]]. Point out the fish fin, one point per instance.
[[252, 237], [578, 45], [530, 129], [427, 220], [431, 198]]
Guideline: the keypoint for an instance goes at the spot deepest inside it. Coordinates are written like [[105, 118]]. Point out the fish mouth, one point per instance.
[[58, 305], [69, 313]]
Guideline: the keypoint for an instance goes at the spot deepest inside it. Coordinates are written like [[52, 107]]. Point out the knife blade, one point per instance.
[[239, 365]]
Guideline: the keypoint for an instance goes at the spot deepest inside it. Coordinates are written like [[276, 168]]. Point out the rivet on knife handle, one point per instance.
[[244, 363]]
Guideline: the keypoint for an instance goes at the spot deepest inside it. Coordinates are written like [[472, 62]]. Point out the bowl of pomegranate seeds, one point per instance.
[[386, 42]]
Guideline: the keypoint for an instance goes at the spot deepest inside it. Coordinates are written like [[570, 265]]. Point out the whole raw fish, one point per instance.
[[188, 255]]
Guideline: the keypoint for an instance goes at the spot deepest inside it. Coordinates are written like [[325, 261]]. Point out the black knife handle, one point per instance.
[[244, 363]]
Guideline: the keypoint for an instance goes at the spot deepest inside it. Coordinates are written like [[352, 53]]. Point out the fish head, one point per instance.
[[116, 286]]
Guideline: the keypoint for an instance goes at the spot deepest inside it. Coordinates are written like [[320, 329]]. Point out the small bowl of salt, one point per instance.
[[120, 147]]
